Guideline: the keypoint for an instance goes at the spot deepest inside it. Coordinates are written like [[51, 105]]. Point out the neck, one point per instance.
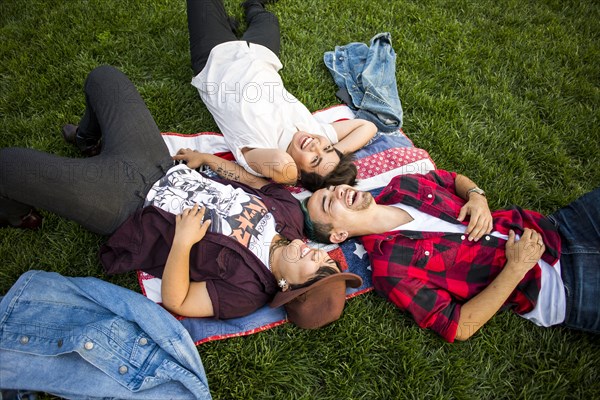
[[277, 244], [384, 218]]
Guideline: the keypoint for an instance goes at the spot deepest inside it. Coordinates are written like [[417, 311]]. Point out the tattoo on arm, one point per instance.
[[231, 175]]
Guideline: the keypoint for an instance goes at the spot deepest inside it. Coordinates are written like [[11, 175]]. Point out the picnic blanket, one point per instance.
[[385, 156]]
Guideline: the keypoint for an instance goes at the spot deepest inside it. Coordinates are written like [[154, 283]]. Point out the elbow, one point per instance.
[[371, 129], [171, 306], [285, 172], [461, 337]]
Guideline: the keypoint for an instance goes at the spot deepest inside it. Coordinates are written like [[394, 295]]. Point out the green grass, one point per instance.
[[506, 92]]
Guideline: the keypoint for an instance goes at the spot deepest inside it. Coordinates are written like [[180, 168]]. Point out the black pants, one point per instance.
[[98, 192], [209, 26]]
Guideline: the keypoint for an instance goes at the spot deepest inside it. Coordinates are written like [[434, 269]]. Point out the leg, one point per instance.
[[208, 26], [95, 192], [99, 192], [579, 226], [116, 111], [263, 26]]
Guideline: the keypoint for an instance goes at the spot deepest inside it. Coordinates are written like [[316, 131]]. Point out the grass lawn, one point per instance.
[[505, 92]]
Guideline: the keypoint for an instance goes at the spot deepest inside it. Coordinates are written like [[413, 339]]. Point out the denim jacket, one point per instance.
[[366, 77], [85, 338]]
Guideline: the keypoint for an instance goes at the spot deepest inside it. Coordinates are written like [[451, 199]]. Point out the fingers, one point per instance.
[[479, 225], [534, 241], [462, 214], [511, 236], [194, 212]]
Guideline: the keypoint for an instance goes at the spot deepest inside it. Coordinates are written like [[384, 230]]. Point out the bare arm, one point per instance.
[[480, 222], [353, 134], [273, 163], [224, 168], [521, 257], [179, 295]]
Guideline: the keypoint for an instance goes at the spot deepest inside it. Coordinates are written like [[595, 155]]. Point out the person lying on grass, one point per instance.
[[438, 253], [270, 132], [252, 252]]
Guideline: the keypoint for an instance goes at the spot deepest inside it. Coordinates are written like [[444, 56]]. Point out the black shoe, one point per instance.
[[69, 132], [33, 220]]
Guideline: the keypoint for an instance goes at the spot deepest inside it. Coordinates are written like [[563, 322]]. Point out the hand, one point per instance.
[[480, 222], [524, 254], [190, 226], [192, 158]]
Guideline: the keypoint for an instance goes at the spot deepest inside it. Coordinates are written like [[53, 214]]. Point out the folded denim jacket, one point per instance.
[[83, 338], [366, 78]]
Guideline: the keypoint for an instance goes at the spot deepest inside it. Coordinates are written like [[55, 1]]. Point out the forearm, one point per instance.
[[232, 171], [481, 308], [462, 185], [176, 276], [353, 134]]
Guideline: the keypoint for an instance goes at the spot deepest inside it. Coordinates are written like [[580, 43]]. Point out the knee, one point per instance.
[[103, 74]]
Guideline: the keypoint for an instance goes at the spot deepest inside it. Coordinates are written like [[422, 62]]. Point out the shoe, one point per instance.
[[69, 132], [33, 220]]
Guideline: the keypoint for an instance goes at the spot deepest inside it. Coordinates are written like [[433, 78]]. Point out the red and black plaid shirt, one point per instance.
[[431, 274]]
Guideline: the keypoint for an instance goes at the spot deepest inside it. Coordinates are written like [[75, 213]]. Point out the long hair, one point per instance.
[[344, 173]]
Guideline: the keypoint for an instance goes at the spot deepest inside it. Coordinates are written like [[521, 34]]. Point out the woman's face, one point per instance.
[[313, 153], [299, 262]]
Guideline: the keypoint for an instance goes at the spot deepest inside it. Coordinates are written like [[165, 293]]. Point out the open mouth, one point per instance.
[[305, 142], [350, 198], [304, 250]]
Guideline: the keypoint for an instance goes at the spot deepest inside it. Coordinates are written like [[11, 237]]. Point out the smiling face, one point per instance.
[[313, 153], [341, 207], [299, 263]]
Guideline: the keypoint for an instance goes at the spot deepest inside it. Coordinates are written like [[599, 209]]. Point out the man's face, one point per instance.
[[341, 206], [313, 153]]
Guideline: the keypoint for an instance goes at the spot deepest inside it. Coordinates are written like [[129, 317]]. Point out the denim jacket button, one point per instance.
[[143, 341], [429, 196], [487, 238], [123, 369], [24, 339], [427, 253], [88, 345], [462, 237]]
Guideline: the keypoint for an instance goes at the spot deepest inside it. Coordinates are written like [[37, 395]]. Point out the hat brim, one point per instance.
[[282, 298]]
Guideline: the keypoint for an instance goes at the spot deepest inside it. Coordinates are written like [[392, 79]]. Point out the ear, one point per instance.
[[338, 236]]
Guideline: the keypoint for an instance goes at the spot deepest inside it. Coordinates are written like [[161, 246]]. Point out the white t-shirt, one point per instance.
[[233, 212], [242, 89], [551, 304]]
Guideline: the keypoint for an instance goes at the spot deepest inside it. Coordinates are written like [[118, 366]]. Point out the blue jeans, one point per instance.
[[579, 226], [98, 192]]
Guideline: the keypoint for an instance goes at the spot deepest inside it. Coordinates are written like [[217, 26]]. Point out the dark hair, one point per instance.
[[344, 173], [321, 273], [316, 231]]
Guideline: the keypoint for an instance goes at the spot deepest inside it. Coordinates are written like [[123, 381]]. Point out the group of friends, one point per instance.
[[225, 246]]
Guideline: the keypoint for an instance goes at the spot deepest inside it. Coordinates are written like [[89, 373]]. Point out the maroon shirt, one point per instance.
[[237, 281]]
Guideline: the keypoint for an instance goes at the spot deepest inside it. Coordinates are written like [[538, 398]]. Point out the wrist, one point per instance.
[[475, 190]]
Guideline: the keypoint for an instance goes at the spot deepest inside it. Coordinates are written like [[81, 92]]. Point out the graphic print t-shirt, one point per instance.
[[233, 212]]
